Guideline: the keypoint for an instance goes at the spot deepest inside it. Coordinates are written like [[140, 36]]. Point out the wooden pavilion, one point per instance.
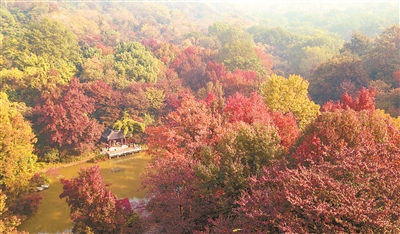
[[114, 137], [117, 144]]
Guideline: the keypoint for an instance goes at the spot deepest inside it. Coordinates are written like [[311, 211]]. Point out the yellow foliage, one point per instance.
[[289, 95], [17, 162], [155, 96], [397, 122], [382, 113], [8, 223], [128, 125]]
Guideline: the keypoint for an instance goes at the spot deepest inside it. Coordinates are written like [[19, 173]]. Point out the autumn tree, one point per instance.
[[178, 202], [187, 129], [107, 102], [165, 52], [245, 82], [94, 208], [8, 223], [191, 65], [134, 100], [396, 75], [346, 161], [253, 110], [63, 117], [389, 100], [17, 161], [92, 70], [208, 156], [17, 165], [359, 44], [266, 59], [289, 95], [363, 101], [239, 81], [156, 97]]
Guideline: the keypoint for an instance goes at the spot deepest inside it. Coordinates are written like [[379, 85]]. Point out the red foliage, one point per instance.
[[344, 178], [52, 7], [353, 194], [27, 205], [333, 131], [105, 50], [239, 81], [189, 127], [93, 206], [134, 99], [173, 101], [215, 71], [93, 40], [396, 75], [152, 44], [63, 117], [190, 68], [287, 128], [364, 101], [177, 203], [220, 225], [107, 102], [265, 59], [248, 110], [172, 87], [253, 109], [191, 65], [210, 99]]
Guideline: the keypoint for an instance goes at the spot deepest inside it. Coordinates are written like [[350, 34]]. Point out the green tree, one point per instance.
[[135, 63], [359, 44], [128, 125], [32, 54], [312, 57], [237, 48], [244, 151], [240, 54], [384, 58], [343, 73], [54, 42]]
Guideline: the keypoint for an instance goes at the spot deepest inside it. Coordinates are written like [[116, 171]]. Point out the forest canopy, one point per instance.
[[259, 117]]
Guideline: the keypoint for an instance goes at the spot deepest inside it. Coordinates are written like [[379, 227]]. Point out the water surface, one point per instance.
[[53, 213]]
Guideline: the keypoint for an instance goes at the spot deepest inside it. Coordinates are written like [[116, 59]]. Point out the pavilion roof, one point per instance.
[[111, 134]]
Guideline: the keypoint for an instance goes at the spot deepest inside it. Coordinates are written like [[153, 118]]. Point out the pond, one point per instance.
[[53, 214]]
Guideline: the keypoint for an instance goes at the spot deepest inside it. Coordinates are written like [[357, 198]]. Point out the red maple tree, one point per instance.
[[343, 178], [94, 208], [63, 116]]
